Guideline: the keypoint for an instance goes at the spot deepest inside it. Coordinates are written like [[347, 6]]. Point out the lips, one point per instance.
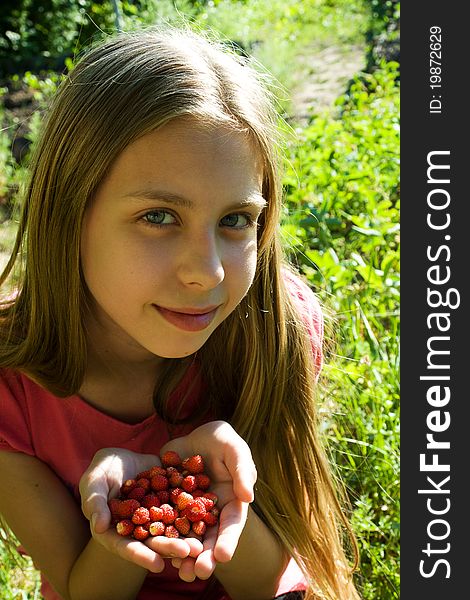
[[188, 319]]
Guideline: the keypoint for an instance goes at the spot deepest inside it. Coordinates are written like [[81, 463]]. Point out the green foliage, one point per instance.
[[341, 227]]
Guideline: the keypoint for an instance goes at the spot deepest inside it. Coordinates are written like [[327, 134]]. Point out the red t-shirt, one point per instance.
[[65, 433]]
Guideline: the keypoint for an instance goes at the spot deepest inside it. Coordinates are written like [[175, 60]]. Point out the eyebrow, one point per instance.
[[254, 199]]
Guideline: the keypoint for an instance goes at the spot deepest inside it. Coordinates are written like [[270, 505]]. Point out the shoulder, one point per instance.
[[16, 409]]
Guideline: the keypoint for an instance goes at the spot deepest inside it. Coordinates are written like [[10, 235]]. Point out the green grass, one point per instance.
[[342, 228]]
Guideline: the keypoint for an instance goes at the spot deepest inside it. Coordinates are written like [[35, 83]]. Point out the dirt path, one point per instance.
[[324, 75]]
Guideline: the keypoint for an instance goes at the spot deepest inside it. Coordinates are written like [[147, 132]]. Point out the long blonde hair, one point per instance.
[[258, 364]]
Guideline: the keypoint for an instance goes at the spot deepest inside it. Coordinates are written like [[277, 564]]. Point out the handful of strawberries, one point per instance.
[[172, 500]]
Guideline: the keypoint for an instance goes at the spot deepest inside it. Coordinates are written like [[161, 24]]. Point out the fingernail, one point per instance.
[[94, 518]]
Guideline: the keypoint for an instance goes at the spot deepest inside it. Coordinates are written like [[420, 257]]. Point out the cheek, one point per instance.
[[243, 266]]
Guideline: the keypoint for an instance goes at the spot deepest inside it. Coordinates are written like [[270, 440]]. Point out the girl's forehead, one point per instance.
[[184, 158]]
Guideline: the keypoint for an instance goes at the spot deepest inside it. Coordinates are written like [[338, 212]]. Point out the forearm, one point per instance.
[[259, 561], [98, 573]]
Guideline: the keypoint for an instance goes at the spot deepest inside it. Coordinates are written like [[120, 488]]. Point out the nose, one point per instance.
[[201, 262]]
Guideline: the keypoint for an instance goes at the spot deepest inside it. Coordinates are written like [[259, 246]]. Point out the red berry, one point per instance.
[[159, 483], [127, 508], [211, 496], [150, 500], [127, 486], [140, 533], [169, 514], [141, 516], [184, 499], [210, 519], [164, 496], [143, 475], [199, 528], [189, 483], [171, 459], [175, 492], [194, 464], [125, 527], [157, 528], [175, 479], [171, 532], [114, 507], [157, 471], [202, 480], [196, 511], [207, 502], [155, 513], [136, 494], [144, 483], [183, 525]]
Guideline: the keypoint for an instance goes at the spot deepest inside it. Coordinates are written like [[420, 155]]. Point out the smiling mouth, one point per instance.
[[191, 319]]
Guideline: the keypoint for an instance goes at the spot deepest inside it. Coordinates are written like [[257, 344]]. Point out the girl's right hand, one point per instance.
[[108, 470]]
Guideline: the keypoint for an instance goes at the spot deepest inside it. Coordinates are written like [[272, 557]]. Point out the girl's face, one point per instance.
[[169, 242]]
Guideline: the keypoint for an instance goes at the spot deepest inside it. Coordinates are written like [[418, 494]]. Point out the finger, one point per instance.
[[232, 521], [242, 470], [100, 521], [195, 546], [186, 570], [176, 562], [168, 547], [133, 551], [205, 562]]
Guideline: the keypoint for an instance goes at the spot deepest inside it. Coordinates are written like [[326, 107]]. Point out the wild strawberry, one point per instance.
[[144, 483], [136, 494], [215, 511], [171, 532], [171, 459], [189, 483], [164, 496], [196, 511], [127, 508], [183, 525], [140, 533], [202, 481], [159, 483], [150, 500], [210, 519], [211, 496], [127, 486], [114, 505], [141, 516], [169, 514], [207, 502], [199, 528], [175, 479], [157, 528], [143, 475], [175, 492], [125, 527], [155, 513], [194, 464], [157, 471], [184, 499]]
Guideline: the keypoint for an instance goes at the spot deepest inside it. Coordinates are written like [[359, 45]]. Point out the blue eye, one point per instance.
[[159, 217], [237, 221]]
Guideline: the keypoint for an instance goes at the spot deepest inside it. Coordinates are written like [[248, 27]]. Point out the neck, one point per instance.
[[121, 375]]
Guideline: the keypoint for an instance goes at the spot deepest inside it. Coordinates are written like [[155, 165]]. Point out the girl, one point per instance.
[[155, 312]]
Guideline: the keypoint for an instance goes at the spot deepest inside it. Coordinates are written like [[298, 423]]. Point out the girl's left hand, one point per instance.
[[232, 471]]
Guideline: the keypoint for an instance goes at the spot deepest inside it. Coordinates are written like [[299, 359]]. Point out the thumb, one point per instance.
[[100, 519]]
